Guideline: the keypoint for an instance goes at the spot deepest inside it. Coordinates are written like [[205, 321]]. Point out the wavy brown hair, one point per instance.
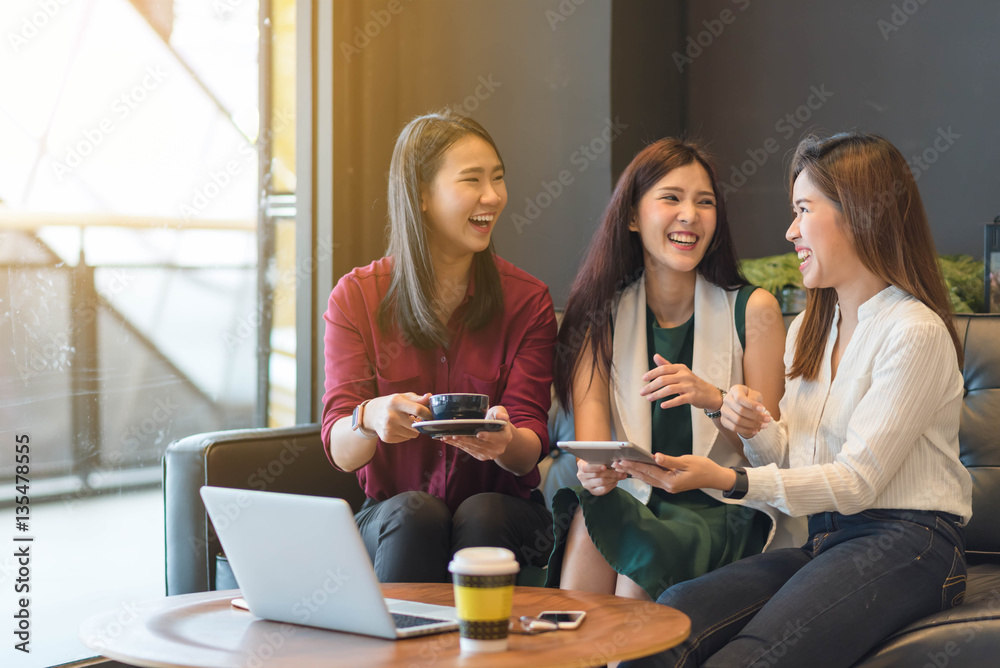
[[869, 181], [409, 302], [615, 259]]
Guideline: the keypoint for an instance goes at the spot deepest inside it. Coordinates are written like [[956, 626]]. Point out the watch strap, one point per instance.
[[358, 420], [741, 486], [715, 415]]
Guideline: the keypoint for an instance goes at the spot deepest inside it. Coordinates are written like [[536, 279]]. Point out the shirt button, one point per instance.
[[440, 453], [443, 360]]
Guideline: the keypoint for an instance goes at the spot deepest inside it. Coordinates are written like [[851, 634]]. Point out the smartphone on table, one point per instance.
[[566, 619]]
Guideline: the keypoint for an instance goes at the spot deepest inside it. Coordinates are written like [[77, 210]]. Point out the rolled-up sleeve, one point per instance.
[[509, 359], [350, 375]]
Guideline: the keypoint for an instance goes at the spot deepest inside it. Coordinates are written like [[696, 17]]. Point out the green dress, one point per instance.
[[674, 537]]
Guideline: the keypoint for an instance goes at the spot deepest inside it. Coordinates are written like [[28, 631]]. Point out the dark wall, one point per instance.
[[647, 90], [554, 124], [535, 73], [923, 73], [579, 86]]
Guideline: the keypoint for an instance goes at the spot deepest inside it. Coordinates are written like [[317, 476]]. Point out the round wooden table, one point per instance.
[[205, 631]]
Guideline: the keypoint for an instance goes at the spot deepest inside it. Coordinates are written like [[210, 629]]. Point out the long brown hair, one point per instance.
[[409, 302], [869, 181], [615, 259]]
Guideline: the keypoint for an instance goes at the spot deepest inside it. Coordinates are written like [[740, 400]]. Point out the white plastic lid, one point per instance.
[[484, 561]]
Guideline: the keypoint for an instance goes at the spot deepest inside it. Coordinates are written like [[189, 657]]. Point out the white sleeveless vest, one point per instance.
[[717, 359]]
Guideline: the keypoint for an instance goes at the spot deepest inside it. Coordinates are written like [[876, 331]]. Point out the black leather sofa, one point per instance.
[[967, 636], [292, 460]]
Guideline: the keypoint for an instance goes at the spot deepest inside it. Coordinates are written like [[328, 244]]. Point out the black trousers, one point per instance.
[[412, 536]]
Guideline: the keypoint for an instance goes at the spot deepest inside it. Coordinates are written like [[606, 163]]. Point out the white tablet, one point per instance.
[[606, 452]]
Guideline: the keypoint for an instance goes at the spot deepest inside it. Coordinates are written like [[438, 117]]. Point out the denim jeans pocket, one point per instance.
[[954, 532], [817, 542], [953, 589]]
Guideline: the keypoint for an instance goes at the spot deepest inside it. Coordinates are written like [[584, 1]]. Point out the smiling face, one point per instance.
[[676, 219], [819, 232], [463, 201]]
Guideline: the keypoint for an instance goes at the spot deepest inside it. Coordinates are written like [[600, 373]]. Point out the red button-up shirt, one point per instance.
[[510, 360]]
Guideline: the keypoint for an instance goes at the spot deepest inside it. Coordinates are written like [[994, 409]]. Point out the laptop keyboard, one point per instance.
[[406, 621]]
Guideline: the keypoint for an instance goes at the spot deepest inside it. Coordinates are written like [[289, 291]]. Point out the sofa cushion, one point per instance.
[[979, 434], [968, 635]]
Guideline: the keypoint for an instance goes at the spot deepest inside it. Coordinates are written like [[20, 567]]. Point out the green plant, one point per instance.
[[773, 273], [964, 278], [962, 274]]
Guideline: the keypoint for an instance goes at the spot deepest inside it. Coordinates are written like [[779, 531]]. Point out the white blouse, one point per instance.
[[883, 434]]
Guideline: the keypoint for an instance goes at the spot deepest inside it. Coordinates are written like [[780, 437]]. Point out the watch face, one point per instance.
[[354, 418]]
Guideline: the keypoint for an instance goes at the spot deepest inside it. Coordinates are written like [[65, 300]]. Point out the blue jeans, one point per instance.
[[858, 579]]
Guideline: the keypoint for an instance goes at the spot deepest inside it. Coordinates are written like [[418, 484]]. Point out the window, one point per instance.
[[131, 290]]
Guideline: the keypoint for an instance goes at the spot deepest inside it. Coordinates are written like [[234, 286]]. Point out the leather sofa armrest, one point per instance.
[[281, 460]]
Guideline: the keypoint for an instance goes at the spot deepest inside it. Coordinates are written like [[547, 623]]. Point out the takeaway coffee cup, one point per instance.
[[484, 589]]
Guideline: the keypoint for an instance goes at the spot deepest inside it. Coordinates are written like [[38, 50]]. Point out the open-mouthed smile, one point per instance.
[[683, 240], [482, 221], [804, 255]]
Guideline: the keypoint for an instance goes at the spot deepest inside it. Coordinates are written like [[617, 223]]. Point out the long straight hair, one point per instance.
[[410, 300], [615, 259], [869, 181]]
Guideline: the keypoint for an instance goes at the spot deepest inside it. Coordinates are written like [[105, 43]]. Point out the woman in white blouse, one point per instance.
[[867, 443]]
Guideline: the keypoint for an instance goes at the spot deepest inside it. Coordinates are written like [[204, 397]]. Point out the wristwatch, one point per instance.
[[358, 419], [713, 415], [742, 485]]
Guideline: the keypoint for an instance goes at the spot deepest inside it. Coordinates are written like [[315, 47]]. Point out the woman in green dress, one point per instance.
[[659, 324]]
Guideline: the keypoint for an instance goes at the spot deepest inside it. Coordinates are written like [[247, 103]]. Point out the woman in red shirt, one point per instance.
[[441, 313]]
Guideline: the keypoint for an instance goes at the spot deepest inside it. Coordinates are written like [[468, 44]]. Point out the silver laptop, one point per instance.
[[300, 559]]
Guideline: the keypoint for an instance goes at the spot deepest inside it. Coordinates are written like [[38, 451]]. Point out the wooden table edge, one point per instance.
[[391, 590]]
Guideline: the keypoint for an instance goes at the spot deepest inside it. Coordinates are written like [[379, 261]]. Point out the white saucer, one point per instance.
[[457, 427]]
